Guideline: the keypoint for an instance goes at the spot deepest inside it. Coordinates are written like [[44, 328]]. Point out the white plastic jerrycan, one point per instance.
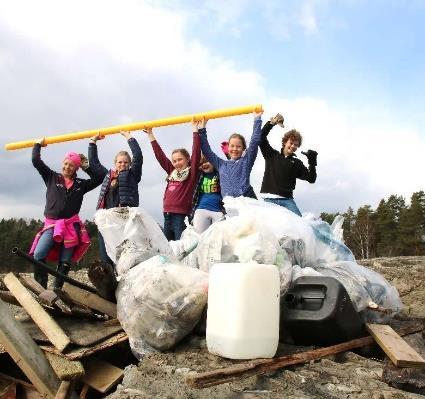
[[243, 310]]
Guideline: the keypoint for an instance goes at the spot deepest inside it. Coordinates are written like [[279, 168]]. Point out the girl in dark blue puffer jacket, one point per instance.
[[120, 185]]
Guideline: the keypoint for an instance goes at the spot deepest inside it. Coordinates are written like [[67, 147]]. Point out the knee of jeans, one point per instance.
[[39, 254]]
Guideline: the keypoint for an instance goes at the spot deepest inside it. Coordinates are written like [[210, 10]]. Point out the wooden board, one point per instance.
[[31, 284], [79, 353], [264, 366], [80, 332], [8, 297], [48, 297], [26, 354], [49, 327], [410, 379], [91, 300], [395, 347], [100, 375], [63, 391], [18, 381], [65, 369]]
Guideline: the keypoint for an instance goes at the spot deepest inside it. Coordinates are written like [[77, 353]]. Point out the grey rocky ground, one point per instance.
[[348, 375], [345, 376]]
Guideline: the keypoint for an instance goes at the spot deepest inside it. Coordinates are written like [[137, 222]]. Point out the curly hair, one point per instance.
[[294, 135], [240, 137]]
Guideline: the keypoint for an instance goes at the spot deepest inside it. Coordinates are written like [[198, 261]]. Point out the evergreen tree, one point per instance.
[[385, 230], [328, 217], [412, 226], [347, 225]]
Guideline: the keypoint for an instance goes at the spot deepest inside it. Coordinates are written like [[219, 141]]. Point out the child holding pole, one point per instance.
[[63, 237], [235, 171], [120, 185], [182, 175]]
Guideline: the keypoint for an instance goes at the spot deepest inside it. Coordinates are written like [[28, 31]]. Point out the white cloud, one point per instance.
[[359, 162], [308, 18], [96, 64]]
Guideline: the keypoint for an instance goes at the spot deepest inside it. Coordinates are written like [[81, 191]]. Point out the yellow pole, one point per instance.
[[175, 120]]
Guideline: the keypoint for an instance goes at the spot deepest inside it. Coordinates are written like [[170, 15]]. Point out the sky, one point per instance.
[[348, 74]]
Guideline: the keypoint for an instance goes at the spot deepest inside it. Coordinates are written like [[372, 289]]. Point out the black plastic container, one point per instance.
[[318, 311]]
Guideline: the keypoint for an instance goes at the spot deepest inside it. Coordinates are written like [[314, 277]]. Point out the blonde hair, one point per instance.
[[123, 153]]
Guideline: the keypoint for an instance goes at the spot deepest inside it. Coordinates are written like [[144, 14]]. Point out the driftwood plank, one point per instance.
[[63, 391], [8, 297], [395, 347], [49, 327], [80, 332], [18, 381], [31, 284], [100, 375], [262, 366], [50, 298], [91, 300], [79, 353], [26, 354]]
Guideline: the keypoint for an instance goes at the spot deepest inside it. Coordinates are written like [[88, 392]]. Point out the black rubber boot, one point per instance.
[[64, 268], [41, 276]]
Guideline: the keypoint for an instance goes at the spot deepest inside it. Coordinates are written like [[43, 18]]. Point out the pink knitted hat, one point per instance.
[[74, 157]]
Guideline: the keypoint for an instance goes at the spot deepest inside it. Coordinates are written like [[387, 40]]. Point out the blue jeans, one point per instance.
[[44, 245], [173, 225], [102, 250], [250, 193], [287, 203]]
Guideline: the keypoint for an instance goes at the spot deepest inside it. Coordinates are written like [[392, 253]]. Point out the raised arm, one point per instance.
[[41, 167], [266, 149], [95, 167], [159, 154], [137, 162], [199, 127], [207, 151], [255, 141]]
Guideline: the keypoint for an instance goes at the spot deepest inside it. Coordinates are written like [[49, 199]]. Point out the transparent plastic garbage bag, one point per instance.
[[159, 302], [131, 236]]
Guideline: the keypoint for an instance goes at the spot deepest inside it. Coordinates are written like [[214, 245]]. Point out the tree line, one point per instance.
[[392, 229], [20, 233]]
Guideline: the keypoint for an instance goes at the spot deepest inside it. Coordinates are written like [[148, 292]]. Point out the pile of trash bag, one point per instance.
[[159, 299], [162, 289], [316, 248], [268, 233]]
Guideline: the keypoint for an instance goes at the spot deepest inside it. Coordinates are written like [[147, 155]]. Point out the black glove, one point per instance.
[[311, 156]]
